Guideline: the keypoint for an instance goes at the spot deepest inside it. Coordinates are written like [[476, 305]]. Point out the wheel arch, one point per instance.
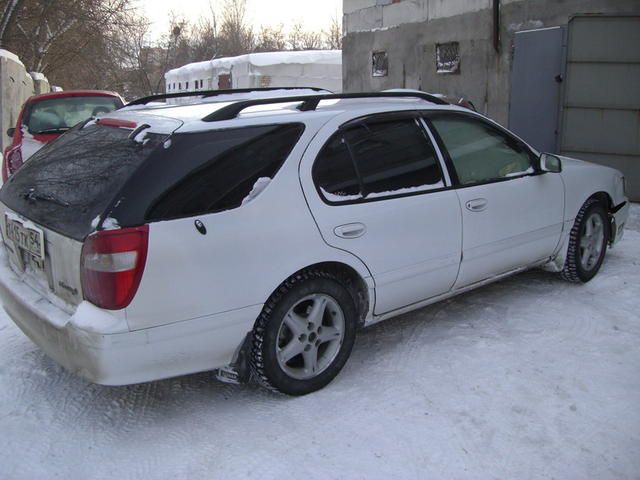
[[606, 200], [603, 197], [360, 290]]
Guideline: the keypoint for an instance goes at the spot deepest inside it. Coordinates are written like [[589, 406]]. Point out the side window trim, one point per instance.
[[427, 116], [354, 162], [382, 118], [444, 169], [451, 169]]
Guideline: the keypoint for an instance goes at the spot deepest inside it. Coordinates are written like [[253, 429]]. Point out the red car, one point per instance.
[[45, 117]]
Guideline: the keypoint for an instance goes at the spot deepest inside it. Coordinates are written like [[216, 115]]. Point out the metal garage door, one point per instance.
[[601, 107], [535, 87]]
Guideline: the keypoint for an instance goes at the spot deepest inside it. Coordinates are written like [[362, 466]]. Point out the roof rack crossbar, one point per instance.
[[213, 93], [310, 102]]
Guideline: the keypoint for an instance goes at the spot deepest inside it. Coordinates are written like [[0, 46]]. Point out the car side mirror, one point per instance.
[[11, 131], [550, 163]]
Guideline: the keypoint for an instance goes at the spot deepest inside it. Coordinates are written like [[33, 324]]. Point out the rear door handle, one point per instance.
[[350, 230], [477, 205]]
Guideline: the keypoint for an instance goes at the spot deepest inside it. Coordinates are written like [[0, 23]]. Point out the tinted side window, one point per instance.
[[334, 171], [393, 157], [232, 166], [377, 159], [479, 151]]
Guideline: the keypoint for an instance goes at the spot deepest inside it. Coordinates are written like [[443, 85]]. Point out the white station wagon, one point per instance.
[[255, 236]]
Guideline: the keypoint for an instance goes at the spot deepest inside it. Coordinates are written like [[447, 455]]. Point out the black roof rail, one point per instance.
[[214, 93], [310, 102]]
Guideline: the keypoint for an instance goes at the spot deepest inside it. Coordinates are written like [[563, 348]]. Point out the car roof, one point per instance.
[[73, 93], [193, 114]]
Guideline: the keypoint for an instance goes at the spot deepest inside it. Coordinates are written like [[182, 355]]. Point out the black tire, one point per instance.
[[574, 270], [265, 365]]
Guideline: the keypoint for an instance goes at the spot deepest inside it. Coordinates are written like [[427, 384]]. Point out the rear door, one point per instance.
[[512, 215], [376, 189]]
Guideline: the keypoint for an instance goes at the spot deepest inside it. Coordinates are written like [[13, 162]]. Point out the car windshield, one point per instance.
[[56, 115]]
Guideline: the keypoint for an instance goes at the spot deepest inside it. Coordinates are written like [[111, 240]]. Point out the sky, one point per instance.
[[313, 14]]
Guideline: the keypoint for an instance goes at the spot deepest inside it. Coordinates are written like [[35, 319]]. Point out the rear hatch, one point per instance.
[[64, 192]]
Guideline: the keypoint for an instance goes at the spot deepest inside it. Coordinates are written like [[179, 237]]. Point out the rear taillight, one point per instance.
[[112, 266], [12, 162]]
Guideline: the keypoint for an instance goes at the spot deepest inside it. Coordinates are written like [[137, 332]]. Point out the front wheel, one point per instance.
[[304, 335], [587, 243]]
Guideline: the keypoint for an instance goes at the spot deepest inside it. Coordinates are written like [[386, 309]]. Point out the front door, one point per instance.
[[512, 215], [376, 189]]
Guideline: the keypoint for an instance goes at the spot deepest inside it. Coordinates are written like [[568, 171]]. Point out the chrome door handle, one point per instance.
[[477, 205], [350, 230]]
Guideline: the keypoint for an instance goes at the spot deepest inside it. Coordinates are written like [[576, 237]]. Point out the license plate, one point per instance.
[[27, 238]]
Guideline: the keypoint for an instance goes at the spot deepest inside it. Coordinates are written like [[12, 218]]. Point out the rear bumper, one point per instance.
[[123, 358]]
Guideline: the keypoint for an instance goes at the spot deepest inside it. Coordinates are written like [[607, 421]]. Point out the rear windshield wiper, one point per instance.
[[53, 130], [34, 196]]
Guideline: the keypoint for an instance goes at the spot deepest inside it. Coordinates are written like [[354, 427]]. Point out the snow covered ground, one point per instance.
[[528, 378]]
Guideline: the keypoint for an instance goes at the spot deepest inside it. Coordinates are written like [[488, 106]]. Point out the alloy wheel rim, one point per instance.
[[310, 336], [591, 242]]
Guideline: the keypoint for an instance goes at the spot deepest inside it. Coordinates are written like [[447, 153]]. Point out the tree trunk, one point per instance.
[[10, 11]]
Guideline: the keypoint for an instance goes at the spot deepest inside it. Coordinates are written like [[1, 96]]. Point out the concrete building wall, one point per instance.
[[40, 83], [16, 85], [409, 30]]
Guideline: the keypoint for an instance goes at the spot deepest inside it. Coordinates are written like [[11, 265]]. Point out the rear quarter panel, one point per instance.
[[244, 256]]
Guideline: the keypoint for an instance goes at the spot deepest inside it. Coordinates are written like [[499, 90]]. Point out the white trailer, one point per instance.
[[313, 68]]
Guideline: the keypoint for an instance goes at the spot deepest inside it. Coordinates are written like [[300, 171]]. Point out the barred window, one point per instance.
[[380, 64], [447, 57]]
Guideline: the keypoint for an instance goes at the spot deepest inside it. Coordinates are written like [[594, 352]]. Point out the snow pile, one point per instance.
[[400, 191], [141, 137], [29, 144], [257, 189], [37, 76], [109, 223], [323, 57], [6, 54]]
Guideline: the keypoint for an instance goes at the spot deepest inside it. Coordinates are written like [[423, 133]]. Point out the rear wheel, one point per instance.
[[587, 243], [304, 335]]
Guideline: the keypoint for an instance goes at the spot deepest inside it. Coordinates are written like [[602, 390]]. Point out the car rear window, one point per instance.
[[71, 181], [55, 115]]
